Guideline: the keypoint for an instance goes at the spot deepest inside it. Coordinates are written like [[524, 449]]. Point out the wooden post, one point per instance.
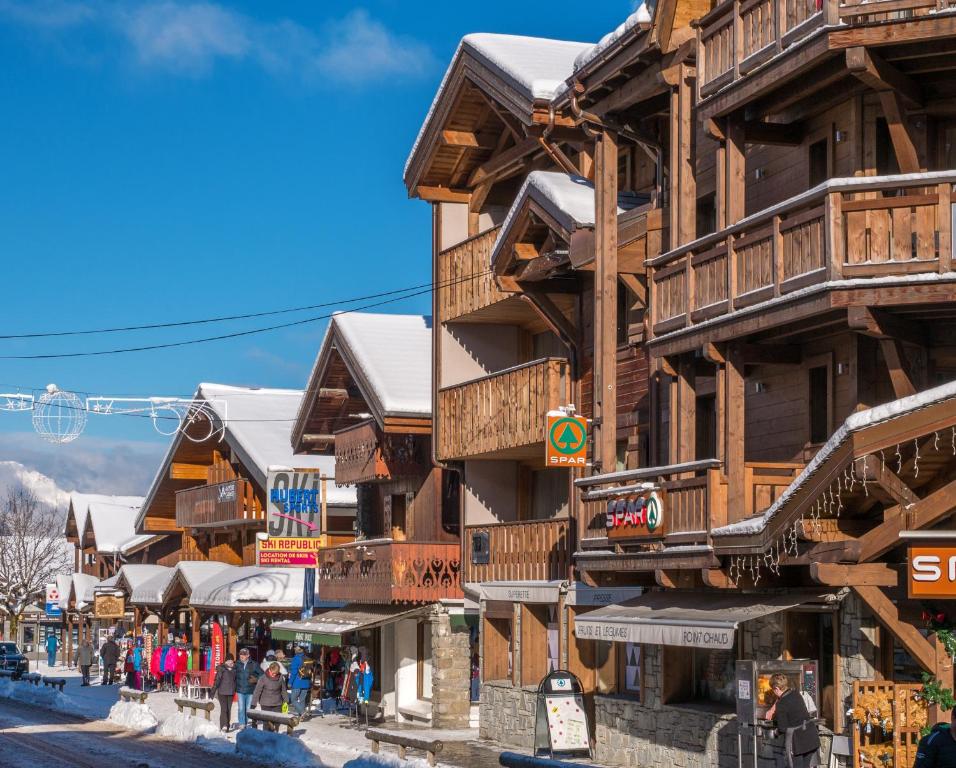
[[325, 506], [686, 199], [944, 223], [734, 424], [68, 648], [195, 620], [835, 241], [686, 409], [735, 173], [232, 636], [605, 301]]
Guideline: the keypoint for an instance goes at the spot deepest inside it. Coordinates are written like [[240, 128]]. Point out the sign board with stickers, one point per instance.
[[561, 724]]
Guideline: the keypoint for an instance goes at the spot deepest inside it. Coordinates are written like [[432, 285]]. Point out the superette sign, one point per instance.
[[640, 516], [293, 519]]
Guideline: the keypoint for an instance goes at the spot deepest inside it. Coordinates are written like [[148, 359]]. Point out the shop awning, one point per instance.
[[329, 627], [521, 591], [690, 620]]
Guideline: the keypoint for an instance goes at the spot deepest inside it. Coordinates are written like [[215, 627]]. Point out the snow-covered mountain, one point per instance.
[[13, 474]]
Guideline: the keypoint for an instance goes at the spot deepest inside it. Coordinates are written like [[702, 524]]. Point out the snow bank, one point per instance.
[[183, 727], [276, 748], [37, 697], [385, 760], [132, 715]]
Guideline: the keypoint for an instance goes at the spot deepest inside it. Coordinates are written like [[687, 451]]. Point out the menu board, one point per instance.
[[567, 722]]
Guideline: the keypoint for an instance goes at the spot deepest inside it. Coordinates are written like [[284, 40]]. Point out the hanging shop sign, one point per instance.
[[640, 516], [931, 572], [289, 552], [107, 606], [567, 440], [52, 602]]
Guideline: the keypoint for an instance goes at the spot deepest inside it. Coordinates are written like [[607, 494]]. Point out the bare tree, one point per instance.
[[32, 552]]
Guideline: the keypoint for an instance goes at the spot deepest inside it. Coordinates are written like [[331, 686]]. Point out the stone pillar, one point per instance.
[[451, 672]]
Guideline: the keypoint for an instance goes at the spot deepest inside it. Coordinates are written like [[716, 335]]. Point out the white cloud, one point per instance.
[[189, 38], [13, 475]]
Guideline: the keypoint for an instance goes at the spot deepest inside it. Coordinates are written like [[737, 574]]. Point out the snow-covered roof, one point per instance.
[[151, 590], [80, 502], [567, 198], [251, 587], [535, 67], [105, 584], [82, 588], [113, 524], [640, 17], [854, 423], [136, 542], [63, 583], [134, 575]]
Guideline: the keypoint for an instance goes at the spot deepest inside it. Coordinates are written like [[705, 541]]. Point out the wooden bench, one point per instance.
[[403, 741], [32, 677], [206, 705], [256, 716], [8, 673], [55, 682], [131, 694]]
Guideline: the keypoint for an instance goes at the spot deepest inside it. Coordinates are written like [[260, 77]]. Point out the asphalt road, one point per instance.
[[31, 737]]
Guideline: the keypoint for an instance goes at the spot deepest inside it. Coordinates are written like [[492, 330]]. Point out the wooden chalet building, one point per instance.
[[368, 403], [754, 199]]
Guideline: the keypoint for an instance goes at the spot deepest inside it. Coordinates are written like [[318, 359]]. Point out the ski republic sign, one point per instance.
[[294, 519], [639, 516], [931, 572], [566, 443]]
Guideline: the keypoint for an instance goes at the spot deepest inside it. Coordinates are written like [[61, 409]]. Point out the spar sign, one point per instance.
[[640, 516], [566, 440]]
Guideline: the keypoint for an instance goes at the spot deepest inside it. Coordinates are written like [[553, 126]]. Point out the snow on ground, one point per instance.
[[183, 727], [41, 696], [384, 760], [133, 715], [276, 748]]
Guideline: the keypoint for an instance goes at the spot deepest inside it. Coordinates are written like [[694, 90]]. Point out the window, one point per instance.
[[395, 511], [886, 162], [623, 307], [705, 431], [451, 502], [630, 670], [425, 661], [946, 152], [621, 458], [819, 404], [706, 215], [549, 494], [699, 676], [819, 153]]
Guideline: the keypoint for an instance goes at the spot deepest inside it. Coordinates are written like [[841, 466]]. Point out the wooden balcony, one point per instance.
[[533, 550], [842, 229], [502, 415], [363, 454], [693, 495], [467, 285], [738, 36], [385, 571], [233, 502]]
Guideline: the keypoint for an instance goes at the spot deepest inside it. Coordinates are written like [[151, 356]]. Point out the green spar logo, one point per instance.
[[653, 514], [566, 436]]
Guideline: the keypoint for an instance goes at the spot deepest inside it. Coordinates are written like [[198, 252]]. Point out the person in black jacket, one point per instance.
[[789, 714], [937, 749], [224, 688], [109, 653]]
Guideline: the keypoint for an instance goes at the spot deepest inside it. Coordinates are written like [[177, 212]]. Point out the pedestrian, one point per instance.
[[52, 643], [937, 749], [109, 653], [300, 680], [247, 677], [128, 669], [269, 660], [270, 693], [224, 688], [84, 660], [790, 716]]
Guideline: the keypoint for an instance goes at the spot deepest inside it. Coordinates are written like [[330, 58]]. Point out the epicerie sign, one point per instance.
[[635, 517], [931, 572]]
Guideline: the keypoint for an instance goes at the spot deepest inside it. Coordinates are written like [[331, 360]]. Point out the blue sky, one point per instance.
[[176, 160]]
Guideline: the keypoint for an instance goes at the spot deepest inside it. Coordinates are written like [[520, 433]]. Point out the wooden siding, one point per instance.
[[466, 283], [502, 411], [534, 550], [364, 453], [391, 571], [232, 502], [864, 228]]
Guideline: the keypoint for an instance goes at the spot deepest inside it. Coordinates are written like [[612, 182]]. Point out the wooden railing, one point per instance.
[[501, 411], [532, 550], [694, 497], [385, 571], [737, 36], [230, 503], [364, 454], [466, 283], [845, 228]]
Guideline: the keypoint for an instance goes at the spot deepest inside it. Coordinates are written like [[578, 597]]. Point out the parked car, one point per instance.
[[12, 659]]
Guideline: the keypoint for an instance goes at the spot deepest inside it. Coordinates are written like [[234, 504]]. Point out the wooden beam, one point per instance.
[[501, 163], [466, 139], [882, 325], [868, 67], [897, 367], [735, 172], [734, 423], [181, 471], [771, 354], [675, 579], [903, 143], [316, 439], [889, 481], [605, 300], [553, 315], [888, 615], [928, 511], [865, 575], [839, 551], [526, 251], [331, 393], [442, 194], [717, 578], [777, 134]]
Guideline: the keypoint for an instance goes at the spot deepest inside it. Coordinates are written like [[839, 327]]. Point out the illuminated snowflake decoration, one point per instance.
[[59, 416]]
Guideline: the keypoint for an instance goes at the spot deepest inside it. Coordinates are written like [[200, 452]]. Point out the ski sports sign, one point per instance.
[[566, 441], [640, 516], [295, 519]]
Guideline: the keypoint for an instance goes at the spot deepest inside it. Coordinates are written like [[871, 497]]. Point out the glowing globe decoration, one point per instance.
[[58, 416]]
